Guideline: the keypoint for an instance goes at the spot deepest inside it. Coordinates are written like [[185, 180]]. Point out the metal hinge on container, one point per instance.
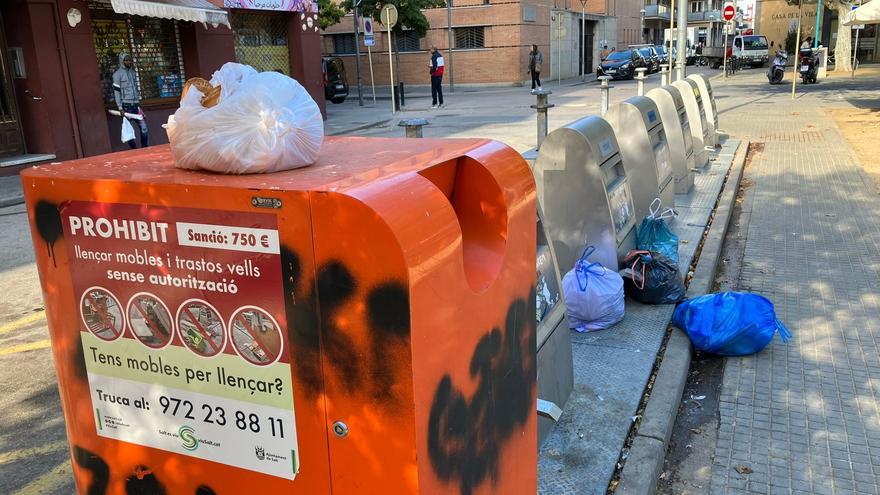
[[549, 410]]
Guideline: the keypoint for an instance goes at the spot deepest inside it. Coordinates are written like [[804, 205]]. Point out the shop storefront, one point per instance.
[[58, 59]]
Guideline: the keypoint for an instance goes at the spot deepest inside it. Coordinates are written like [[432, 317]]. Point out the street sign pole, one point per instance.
[[369, 41], [797, 49], [357, 51], [856, 47], [818, 22], [391, 72], [372, 81], [726, 31], [389, 19], [728, 13]]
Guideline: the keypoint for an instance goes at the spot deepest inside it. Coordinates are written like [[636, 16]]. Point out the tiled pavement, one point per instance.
[[804, 417], [612, 367]]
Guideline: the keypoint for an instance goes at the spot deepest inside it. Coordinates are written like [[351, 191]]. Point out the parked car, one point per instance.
[[663, 53], [335, 82], [652, 59], [621, 65]]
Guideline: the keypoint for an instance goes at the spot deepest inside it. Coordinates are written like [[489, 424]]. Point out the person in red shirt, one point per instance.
[[436, 69]]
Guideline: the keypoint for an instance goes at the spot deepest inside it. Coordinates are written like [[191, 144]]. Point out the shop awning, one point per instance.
[[183, 10], [868, 13]]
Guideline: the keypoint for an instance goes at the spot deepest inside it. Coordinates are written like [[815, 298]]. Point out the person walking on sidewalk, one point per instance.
[[535, 61], [128, 99], [603, 54], [436, 69]]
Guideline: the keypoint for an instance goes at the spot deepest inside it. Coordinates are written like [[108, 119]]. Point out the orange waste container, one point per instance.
[[364, 325]]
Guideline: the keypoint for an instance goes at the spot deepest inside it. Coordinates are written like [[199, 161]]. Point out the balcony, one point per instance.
[[707, 16], [656, 11]]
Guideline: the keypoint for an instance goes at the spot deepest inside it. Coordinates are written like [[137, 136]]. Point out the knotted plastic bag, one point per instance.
[[258, 122], [593, 295], [652, 278], [654, 235], [729, 323]]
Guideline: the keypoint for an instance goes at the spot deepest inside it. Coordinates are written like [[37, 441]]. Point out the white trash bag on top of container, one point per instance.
[[245, 122]]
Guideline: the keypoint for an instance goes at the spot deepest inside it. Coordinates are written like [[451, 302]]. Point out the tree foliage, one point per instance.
[[329, 13], [409, 12]]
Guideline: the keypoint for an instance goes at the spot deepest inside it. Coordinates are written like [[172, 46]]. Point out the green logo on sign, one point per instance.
[[188, 435]]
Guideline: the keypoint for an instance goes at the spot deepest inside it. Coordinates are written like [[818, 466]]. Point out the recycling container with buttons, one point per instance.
[[584, 192], [645, 152], [693, 104], [363, 325], [555, 366], [678, 133], [705, 89]]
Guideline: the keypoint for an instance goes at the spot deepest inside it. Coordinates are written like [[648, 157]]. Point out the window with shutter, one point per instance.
[[469, 38], [261, 41], [154, 45]]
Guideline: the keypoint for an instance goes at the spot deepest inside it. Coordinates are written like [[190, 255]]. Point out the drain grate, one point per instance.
[[803, 136]]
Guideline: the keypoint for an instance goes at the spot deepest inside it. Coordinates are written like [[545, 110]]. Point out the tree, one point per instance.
[[843, 45], [409, 12], [329, 13]]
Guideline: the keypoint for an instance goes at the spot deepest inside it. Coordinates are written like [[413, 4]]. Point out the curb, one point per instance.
[[648, 449], [368, 125], [11, 201]]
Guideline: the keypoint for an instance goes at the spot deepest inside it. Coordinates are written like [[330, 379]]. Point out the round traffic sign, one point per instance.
[[729, 12], [388, 16]]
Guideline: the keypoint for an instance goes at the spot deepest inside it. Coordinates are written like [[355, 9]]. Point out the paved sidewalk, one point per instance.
[[804, 417]]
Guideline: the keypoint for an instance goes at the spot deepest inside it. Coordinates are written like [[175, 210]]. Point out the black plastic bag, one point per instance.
[[652, 278]]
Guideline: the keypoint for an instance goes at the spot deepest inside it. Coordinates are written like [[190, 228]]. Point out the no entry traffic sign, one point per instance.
[[729, 12]]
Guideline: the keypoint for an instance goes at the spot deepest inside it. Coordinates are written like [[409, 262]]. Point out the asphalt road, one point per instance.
[[33, 446]]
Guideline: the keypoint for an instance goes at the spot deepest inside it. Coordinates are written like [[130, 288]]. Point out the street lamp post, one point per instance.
[[583, 45], [449, 30], [642, 12], [682, 40], [357, 50]]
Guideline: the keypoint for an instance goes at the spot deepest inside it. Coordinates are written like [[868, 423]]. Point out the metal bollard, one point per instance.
[[664, 76], [413, 127], [604, 87], [641, 77], [542, 106]]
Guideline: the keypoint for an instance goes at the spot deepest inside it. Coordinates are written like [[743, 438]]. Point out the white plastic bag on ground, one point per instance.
[[264, 122], [127, 131], [593, 295]]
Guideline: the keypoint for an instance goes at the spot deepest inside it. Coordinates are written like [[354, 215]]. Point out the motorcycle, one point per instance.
[[777, 70], [809, 66]]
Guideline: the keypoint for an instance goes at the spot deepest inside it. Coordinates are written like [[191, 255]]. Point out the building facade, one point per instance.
[[775, 19], [491, 40], [58, 59]]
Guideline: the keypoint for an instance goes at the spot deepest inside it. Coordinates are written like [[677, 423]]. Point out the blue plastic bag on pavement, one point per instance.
[[593, 295], [729, 323], [654, 235]]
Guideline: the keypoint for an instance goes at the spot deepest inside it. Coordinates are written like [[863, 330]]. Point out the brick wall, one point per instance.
[[507, 36]]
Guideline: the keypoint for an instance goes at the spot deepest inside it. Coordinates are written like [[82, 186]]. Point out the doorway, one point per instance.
[[586, 54], [11, 142]]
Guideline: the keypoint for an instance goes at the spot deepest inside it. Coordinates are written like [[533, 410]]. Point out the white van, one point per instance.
[[751, 49]]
